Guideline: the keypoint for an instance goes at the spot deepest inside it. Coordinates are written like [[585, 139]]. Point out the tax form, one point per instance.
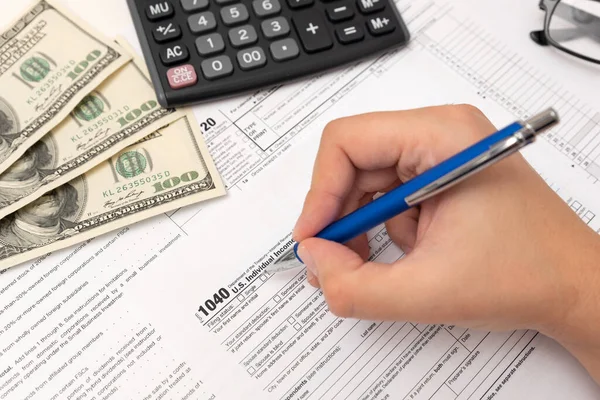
[[180, 307]]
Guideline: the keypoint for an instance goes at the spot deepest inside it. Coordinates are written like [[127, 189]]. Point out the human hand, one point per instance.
[[498, 251]]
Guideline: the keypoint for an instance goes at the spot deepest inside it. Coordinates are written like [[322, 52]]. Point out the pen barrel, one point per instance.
[[395, 202]]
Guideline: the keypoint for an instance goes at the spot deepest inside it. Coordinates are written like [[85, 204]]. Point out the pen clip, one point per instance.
[[496, 152]]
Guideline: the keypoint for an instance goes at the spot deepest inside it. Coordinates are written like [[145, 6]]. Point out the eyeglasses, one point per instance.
[[572, 26]]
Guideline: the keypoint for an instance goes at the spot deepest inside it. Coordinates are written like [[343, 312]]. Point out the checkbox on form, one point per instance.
[[251, 370], [297, 326], [277, 298], [241, 298], [291, 320]]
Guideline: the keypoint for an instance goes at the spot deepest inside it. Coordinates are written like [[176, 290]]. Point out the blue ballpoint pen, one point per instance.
[[439, 178]]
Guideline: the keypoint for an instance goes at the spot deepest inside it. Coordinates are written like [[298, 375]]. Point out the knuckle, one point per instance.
[[338, 298], [468, 111], [474, 122], [333, 127]]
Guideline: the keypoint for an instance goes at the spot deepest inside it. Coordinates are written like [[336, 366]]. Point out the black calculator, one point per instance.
[[199, 50]]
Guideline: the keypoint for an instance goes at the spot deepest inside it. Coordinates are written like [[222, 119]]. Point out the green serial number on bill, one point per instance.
[[148, 180]]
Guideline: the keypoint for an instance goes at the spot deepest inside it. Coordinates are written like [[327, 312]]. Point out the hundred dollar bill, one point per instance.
[[168, 169], [49, 61], [118, 113]]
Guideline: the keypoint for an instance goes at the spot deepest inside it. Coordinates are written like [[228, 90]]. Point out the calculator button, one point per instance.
[[284, 49], [242, 36], [380, 25], [234, 14], [174, 54], [166, 32], [370, 6], [202, 22], [251, 58], [159, 10], [194, 5], [210, 44], [349, 33], [300, 3], [216, 67], [339, 12], [312, 31], [275, 27], [182, 76], [263, 8]]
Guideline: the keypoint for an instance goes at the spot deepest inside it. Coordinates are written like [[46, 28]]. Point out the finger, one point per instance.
[[312, 279], [316, 214], [407, 290], [411, 140], [402, 229]]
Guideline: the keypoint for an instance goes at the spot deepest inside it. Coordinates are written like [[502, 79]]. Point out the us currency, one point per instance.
[[49, 61], [167, 170], [118, 113]]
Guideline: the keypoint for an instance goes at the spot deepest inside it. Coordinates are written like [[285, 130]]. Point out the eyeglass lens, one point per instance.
[[575, 25]]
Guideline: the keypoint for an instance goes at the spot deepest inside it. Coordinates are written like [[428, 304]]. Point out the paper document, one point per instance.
[[179, 306]]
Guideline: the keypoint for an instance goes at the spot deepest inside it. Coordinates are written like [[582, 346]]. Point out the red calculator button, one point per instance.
[[182, 76]]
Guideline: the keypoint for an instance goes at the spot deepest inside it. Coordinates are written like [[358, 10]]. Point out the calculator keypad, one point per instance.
[[182, 76], [312, 31], [300, 3], [234, 14], [159, 10], [264, 8], [174, 54], [217, 67], [339, 12], [285, 49], [251, 58], [165, 32], [275, 27], [243, 36], [349, 33], [202, 42], [194, 5], [210, 44], [202, 22]]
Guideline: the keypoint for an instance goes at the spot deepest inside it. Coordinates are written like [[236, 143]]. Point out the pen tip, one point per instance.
[[286, 262]]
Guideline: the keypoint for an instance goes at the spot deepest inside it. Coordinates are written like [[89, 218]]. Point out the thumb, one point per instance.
[[331, 264]]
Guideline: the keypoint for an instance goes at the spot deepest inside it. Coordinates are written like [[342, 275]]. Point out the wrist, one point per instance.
[[575, 324]]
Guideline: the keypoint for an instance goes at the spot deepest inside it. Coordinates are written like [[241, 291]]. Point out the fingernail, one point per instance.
[[307, 259]]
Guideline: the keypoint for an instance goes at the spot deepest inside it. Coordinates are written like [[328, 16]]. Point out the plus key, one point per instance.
[[312, 31]]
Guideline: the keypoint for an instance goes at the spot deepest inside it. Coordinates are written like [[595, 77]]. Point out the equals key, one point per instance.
[[349, 33]]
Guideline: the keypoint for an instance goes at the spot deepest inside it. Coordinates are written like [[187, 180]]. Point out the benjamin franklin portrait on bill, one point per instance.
[[6, 129], [9, 129], [42, 221], [27, 173]]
